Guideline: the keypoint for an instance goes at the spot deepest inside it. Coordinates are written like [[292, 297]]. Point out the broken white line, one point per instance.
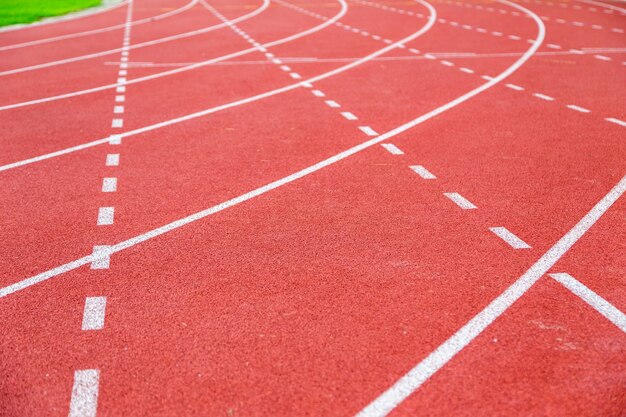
[[94, 312], [393, 149], [513, 241], [422, 172], [460, 201], [84, 401]]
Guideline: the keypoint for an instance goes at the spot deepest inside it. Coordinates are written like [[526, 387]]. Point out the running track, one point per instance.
[[305, 208]]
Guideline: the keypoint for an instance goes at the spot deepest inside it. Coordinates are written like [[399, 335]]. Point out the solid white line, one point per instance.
[[113, 160], [411, 381], [460, 201], [578, 108], [109, 185], [332, 103], [51, 273], [368, 131], [510, 238], [94, 312], [423, 172], [100, 257], [602, 306], [348, 115], [105, 216], [84, 401], [392, 149], [616, 121]]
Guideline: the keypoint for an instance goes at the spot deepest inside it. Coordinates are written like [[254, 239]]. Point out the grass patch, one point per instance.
[[26, 11]]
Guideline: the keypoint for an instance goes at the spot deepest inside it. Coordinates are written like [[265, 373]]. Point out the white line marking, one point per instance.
[[513, 241], [94, 312], [84, 401], [602, 306], [553, 46], [616, 121], [317, 93], [114, 140], [120, 89], [113, 160], [348, 115], [100, 257], [423, 172], [543, 97], [285, 68], [368, 131], [118, 109], [121, 80], [602, 57], [578, 108], [117, 123], [460, 201], [392, 149], [120, 99], [332, 103], [295, 75], [411, 381], [466, 70], [105, 216], [109, 185], [152, 234], [515, 87], [447, 63]]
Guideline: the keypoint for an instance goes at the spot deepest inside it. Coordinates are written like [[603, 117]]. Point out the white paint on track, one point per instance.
[[28, 282], [510, 238], [100, 30], [422, 172], [602, 306], [153, 42], [460, 201], [84, 400], [93, 313], [411, 381]]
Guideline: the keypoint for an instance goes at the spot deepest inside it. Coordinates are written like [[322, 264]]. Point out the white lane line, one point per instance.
[[154, 233], [348, 115], [602, 306], [368, 131], [105, 216], [447, 63], [94, 312], [332, 103], [113, 140], [295, 75], [414, 379], [543, 97], [578, 108], [317, 93], [113, 160], [466, 70], [392, 149], [117, 123], [423, 172], [120, 99], [286, 68], [515, 87], [513, 241], [460, 201], [616, 121], [602, 57], [84, 401], [109, 185], [118, 109], [100, 257]]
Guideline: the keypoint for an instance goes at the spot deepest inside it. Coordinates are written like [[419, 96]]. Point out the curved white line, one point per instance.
[[298, 35], [195, 32], [606, 6], [101, 30], [197, 216], [70, 17]]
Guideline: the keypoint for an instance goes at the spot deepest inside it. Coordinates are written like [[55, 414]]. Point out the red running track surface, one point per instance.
[[315, 208]]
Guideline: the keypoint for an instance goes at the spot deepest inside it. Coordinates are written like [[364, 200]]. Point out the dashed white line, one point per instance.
[[368, 131], [578, 108], [348, 115], [466, 70], [616, 121], [118, 109], [594, 300], [318, 93], [423, 172], [543, 97], [84, 401], [113, 160], [109, 185], [515, 87], [117, 123], [460, 201], [101, 257], [120, 99], [295, 75], [94, 312], [602, 57], [106, 216], [392, 149], [115, 140], [332, 103], [513, 241]]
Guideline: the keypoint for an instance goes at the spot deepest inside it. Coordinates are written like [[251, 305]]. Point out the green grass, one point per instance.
[[26, 11]]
